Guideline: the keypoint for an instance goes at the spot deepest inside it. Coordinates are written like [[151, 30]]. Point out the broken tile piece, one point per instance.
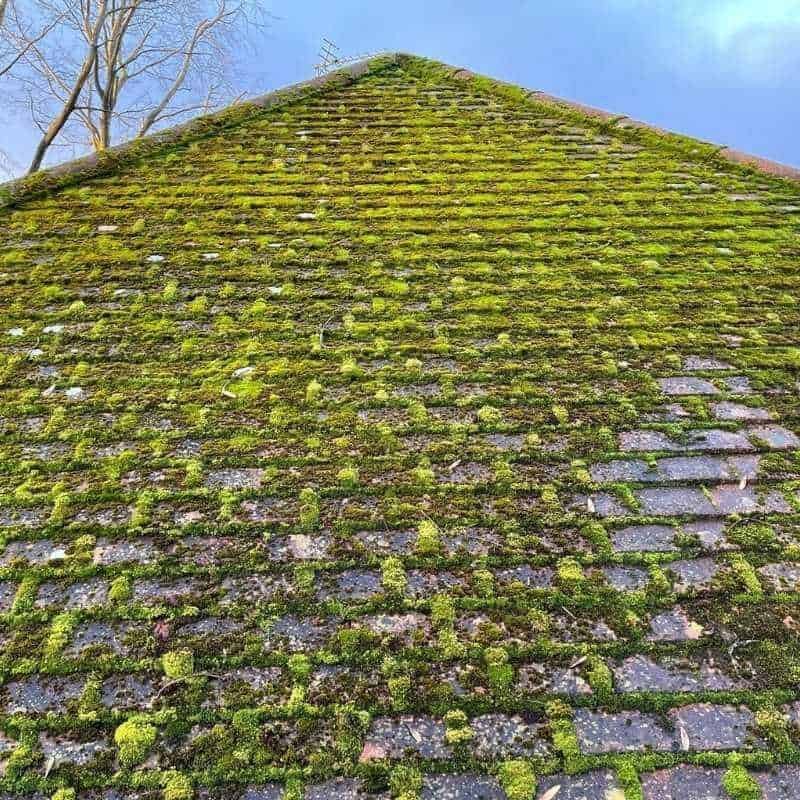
[[684, 782], [714, 727], [674, 626], [773, 437], [594, 785], [780, 783], [782, 577], [644, 538], [461, 787], [683, 385], [695, 441], [642, 674], [394, 737], [681, 468], [736, 412], [623, 732], [704, 364]]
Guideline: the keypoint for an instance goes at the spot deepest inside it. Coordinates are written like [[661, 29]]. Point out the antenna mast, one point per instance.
[[329, 58]]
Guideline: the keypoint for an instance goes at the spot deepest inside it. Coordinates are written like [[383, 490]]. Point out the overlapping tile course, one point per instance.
[[413, 440]]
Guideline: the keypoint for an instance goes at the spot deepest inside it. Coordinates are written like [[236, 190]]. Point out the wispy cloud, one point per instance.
[[749, 41]]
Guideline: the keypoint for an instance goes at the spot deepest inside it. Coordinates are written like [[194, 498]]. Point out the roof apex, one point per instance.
[[103, 162]]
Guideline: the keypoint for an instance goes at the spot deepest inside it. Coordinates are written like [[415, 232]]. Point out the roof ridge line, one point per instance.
[[732, 155], [99, 163]]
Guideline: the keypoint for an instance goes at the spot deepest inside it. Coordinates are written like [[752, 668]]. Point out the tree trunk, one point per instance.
[[3, 6], [58, 122], [106, 114]]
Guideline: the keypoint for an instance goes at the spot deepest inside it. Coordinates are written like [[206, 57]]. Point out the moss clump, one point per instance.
[[405, 782], [423, 476], [65, 793], [134, 739], [348, 477], [393, 576], [429, 539], [754, 536], [600, 678], [489, 416], [745, 572], [121, 589], [740, 785], [91, 701], [457, 729], [350, 369], [443, 612], [178, 664], [498, 670], [60, 633], [247, 723], [570, 574], [313, 391], [309, 509], [562, 729], [178, 787], [483, 581], [399, 691], [518, 780]]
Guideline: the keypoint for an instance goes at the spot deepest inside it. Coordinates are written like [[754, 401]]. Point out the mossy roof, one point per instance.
[[402, 435]]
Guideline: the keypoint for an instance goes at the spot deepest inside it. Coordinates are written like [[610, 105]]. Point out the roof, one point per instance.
[[405, 435]]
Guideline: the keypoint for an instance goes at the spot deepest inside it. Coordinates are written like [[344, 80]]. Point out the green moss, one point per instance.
[[178, 664], [600, 678], [483, 581], [121, 589], [489, 290], [314, 391], [753, 536], [570, 574], [405, 782], [518, 780], [443, 613], [744, 571], [628, 777], [60, 633], [498, 670], [400, 691], [134, 739], [178, 787], [429, 540], [740, 785], [393, 576], [348, 477], [457, 730], [309, 509], [489, 416]]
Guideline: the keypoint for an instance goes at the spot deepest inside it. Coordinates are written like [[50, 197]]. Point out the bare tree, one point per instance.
[[97, 71], [14, 45]]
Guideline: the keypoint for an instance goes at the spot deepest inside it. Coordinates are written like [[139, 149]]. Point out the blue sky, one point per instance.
[[724, 70]]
